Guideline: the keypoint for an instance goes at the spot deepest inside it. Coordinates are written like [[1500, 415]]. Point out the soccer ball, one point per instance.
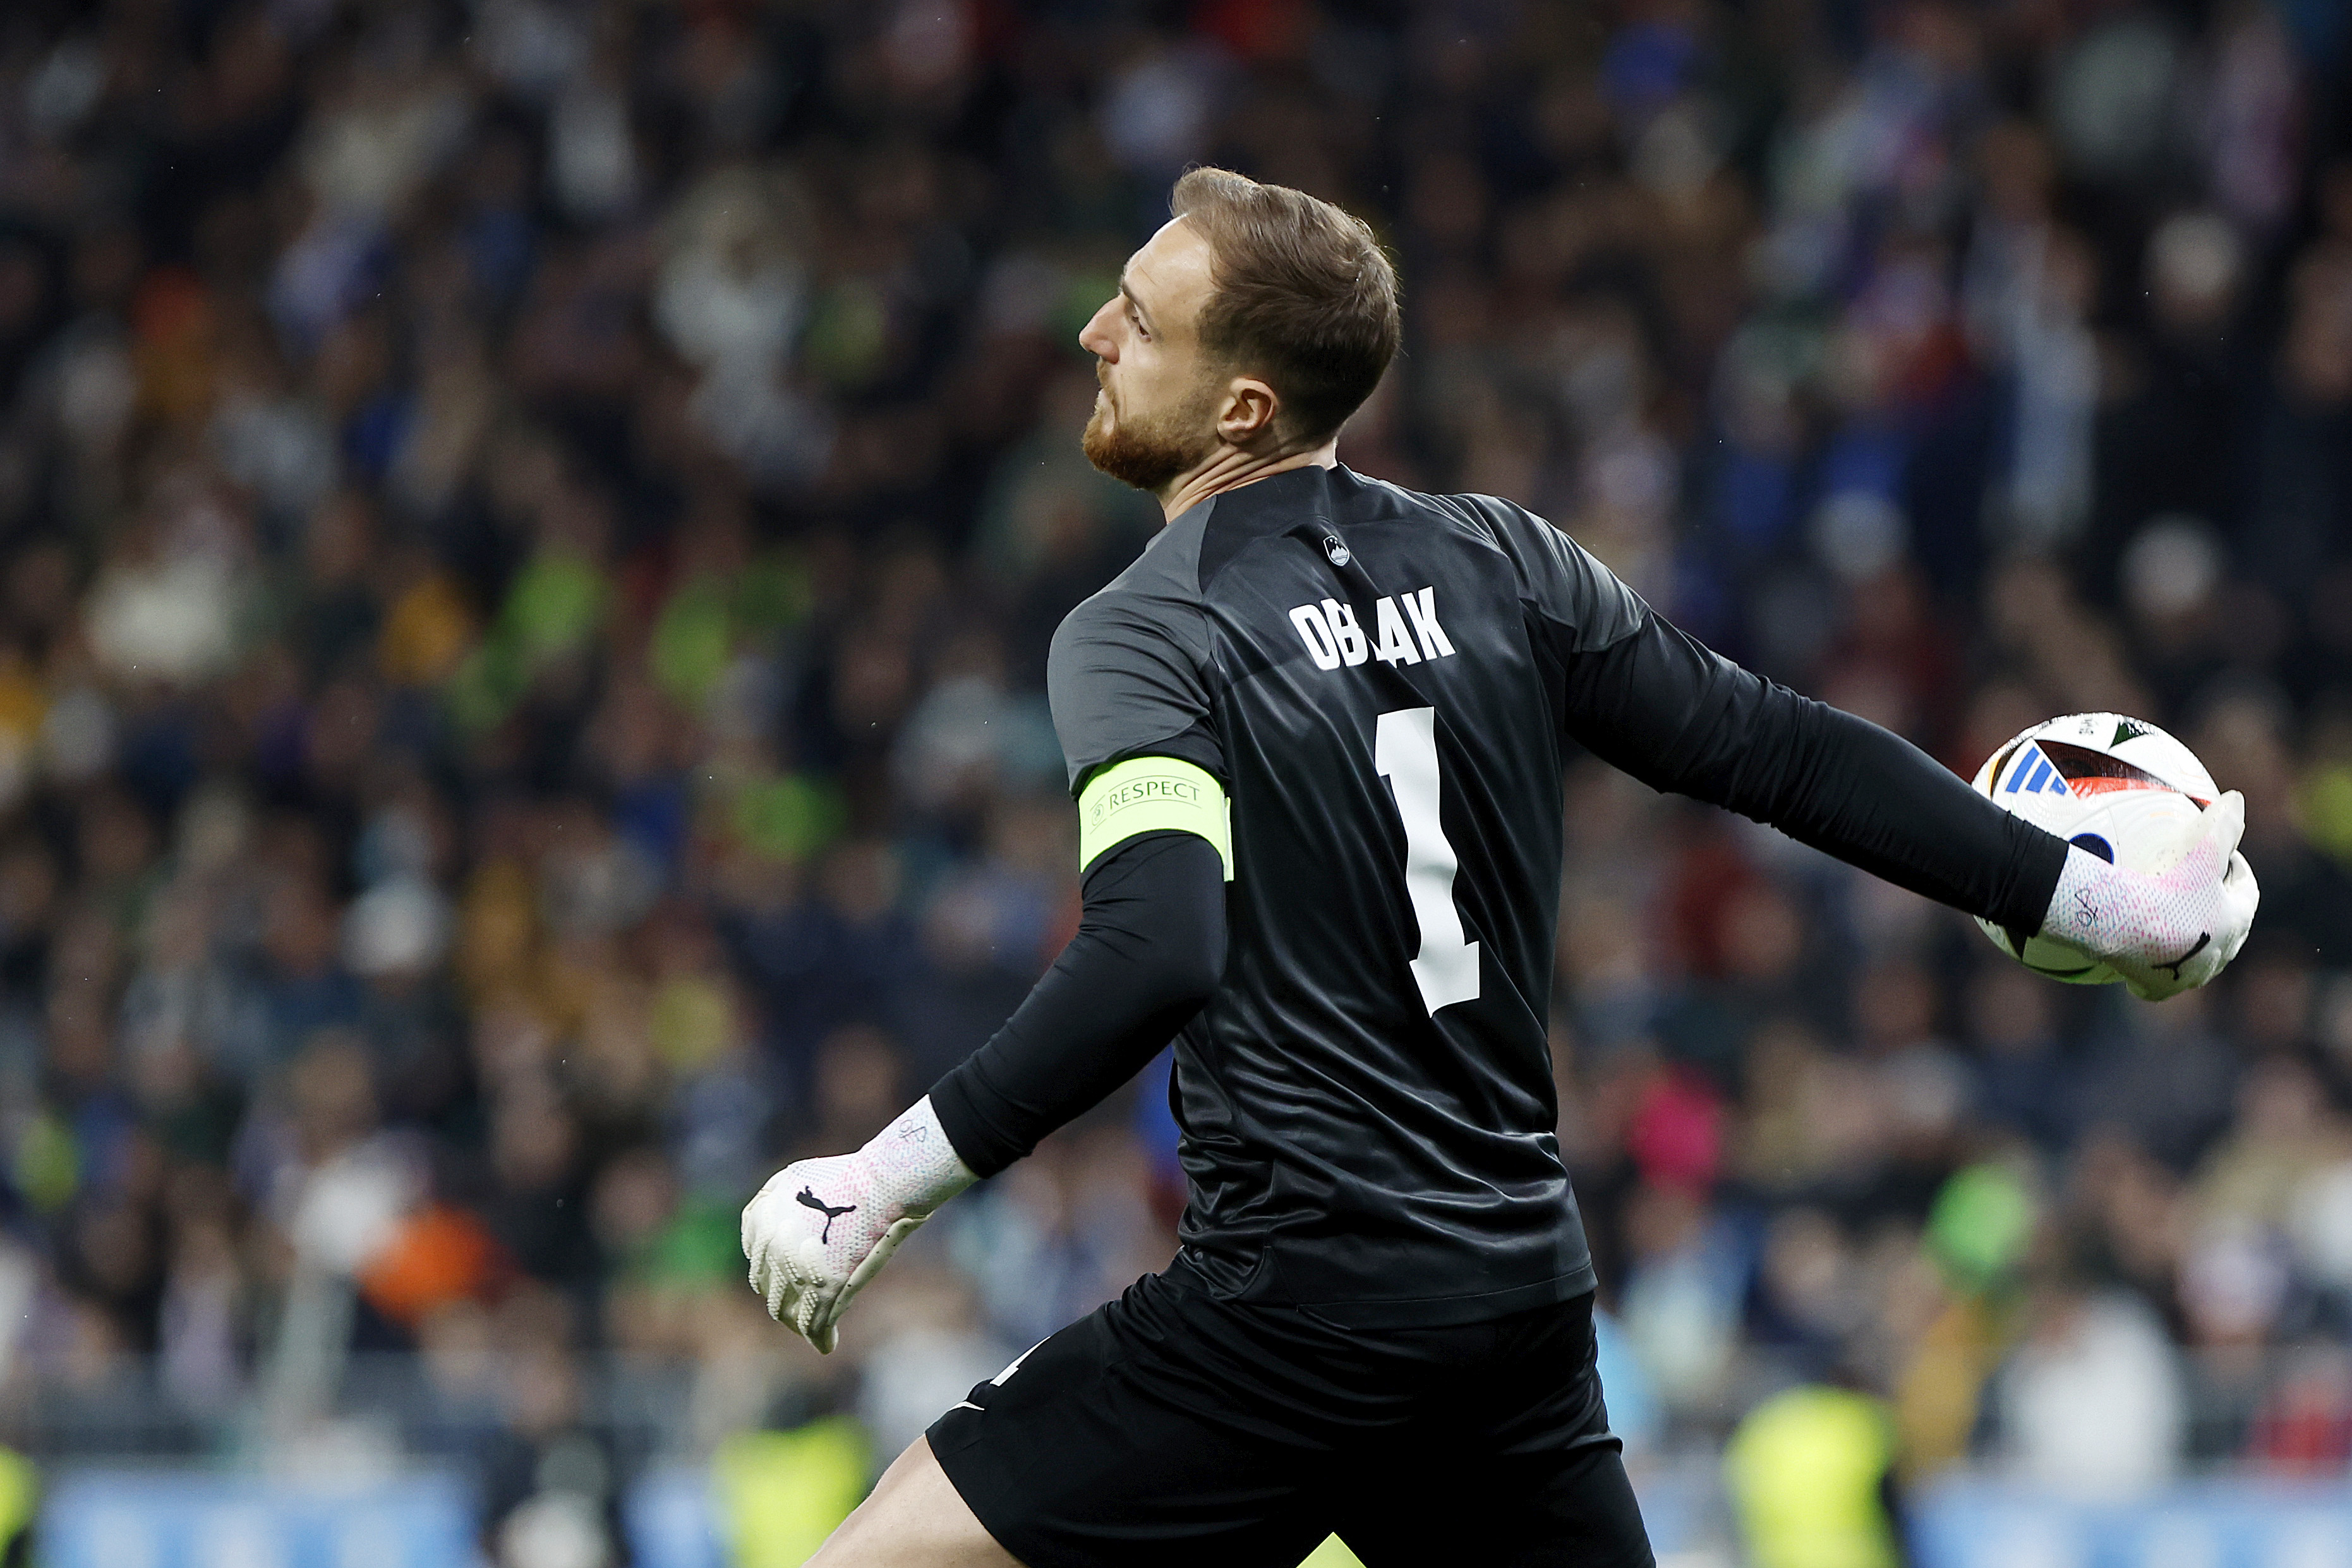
[[2116, 786]]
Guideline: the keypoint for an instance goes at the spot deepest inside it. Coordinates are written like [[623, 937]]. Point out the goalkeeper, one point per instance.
[[1317, 733]]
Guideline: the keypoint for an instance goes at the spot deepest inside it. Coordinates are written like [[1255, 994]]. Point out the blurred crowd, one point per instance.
[[529, 531]]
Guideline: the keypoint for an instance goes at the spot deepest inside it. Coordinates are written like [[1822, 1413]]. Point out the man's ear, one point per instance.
[[1247, 418]]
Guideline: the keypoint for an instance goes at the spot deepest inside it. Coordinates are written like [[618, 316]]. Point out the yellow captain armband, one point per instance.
[[1153, 794]]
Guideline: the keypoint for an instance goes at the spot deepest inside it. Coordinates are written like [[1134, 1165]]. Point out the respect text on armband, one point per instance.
[[1140, 792]]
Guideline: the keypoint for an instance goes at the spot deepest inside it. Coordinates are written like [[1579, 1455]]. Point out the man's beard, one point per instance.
[[1151, 454]]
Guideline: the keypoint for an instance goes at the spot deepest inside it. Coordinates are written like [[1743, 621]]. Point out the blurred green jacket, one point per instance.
[[1808, 1473]]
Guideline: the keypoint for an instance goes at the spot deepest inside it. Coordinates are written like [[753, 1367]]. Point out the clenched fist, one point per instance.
[[821, 1228]]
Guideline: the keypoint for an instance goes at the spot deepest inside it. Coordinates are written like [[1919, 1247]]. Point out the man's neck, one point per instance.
[[1229, 467]]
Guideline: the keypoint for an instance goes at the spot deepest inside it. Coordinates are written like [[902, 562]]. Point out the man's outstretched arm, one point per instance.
[[1680, 717], [1150, 948]]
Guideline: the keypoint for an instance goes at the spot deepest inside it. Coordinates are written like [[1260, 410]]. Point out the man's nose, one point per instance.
[[1096, 336]]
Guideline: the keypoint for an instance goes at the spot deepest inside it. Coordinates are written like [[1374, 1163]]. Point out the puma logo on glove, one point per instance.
[[2203, 938], [809, 1199]]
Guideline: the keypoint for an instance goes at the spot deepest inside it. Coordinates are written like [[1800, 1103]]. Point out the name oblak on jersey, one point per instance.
[[1401, 636]]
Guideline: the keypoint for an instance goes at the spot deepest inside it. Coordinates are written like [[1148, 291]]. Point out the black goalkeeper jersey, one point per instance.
[[1366, 1102], [1389, 685]]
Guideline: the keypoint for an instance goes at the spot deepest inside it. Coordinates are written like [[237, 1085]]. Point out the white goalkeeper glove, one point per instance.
[[2166, 930], [821, 1228]]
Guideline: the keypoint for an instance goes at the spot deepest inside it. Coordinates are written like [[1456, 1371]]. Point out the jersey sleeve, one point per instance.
[[1646, 697], [1679, 716], [1128, 677], [1586, 604], [1150, 948]]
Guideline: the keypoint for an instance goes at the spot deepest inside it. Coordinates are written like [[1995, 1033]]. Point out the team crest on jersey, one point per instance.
[[1339, 551], [1404, 630]]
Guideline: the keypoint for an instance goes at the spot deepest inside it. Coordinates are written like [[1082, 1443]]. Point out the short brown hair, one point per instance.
[[1305, 295]]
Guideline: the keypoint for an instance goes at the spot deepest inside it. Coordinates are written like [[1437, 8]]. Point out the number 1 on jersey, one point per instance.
[[1404, 750]]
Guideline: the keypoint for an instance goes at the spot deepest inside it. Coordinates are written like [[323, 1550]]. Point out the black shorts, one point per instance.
[[1171, 1427]]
